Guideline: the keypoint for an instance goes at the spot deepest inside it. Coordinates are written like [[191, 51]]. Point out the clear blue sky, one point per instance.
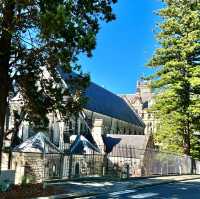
[[124, 46]]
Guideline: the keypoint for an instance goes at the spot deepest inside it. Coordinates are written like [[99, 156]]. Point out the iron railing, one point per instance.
[[121, 162]]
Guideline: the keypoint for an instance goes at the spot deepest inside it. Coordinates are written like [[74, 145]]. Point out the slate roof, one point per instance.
[[81, 145], [130, 146], [39, 143], [107, 103]]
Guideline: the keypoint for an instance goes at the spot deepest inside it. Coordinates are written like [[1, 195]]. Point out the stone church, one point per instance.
[[107, 122], [118, 118]]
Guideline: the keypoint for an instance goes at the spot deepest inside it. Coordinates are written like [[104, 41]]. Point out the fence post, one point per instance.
[[193, 166], [167, 167], [61, 165], [70, 166], [44, 159], [93, 163], [44, 168], [105, 164], [127, 171]]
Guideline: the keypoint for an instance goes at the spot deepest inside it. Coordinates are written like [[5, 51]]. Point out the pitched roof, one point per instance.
[[107, 103], [81, 145], [126, 145], [39, 143]]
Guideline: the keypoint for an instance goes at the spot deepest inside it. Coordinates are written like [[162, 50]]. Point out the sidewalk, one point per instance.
[[92, 188]]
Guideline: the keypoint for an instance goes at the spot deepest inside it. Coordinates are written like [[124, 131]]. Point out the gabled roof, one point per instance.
[[81, 145], [107, 103], [38, 143], [132, 98]]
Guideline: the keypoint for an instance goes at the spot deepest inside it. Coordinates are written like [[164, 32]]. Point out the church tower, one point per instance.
[[145, 90], [142, 101]]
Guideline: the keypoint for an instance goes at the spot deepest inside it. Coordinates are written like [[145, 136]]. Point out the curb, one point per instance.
[[102, 179]]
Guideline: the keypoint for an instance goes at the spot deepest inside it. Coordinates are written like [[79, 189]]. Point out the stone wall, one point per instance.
[[29, 166], [34, 166]]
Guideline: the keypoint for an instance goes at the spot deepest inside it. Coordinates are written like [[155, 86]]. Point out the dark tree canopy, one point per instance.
[[42, 35]]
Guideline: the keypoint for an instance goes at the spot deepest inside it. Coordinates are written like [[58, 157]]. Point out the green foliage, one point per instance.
[[28, 179], [50, 33], [167, 136], [177, 76]]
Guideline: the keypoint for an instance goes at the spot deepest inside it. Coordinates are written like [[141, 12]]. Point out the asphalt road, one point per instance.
[[180, 190]]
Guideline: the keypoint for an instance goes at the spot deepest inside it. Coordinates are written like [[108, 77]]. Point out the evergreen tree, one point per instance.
[[50, 33], [177, 73]]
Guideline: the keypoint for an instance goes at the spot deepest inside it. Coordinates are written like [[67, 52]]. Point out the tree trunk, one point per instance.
[[14, 136], [186, 142], [3, 104], [5, 51]]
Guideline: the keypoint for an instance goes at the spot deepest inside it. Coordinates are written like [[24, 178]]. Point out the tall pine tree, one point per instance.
[[177, 76]]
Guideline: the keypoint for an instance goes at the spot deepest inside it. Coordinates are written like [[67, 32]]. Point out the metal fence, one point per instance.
[[125, 162], [53, 165], [121, 162]]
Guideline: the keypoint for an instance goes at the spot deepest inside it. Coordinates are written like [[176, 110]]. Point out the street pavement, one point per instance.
[[149, 187], [178, 190]]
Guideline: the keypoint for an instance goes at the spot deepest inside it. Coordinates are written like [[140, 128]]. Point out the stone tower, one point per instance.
[[145, 90], [142, 101]]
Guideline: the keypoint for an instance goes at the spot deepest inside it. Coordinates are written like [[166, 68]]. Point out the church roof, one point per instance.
[[126, 145], [107, 103], [102, 101]]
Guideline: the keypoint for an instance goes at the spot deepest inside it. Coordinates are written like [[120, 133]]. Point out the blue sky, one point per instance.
[[124, 46]]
